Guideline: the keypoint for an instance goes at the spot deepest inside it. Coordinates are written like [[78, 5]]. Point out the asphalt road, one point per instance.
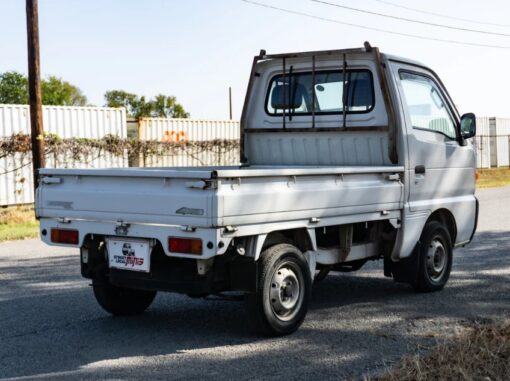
[[52, 329]]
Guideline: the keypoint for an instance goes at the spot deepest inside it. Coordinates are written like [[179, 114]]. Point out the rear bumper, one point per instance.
[[212, 242]]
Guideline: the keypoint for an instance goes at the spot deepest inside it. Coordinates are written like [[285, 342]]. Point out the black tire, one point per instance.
[[434, 258], [280, 304], [120, 301]]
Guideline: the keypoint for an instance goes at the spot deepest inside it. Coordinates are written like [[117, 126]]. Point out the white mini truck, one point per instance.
[[346, 156]]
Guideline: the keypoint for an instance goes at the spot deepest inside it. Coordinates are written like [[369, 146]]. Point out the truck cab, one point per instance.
[[346, 156]]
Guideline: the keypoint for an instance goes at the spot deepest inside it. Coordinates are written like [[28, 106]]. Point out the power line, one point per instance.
[[441, 15], [372, 28], [410, 20]]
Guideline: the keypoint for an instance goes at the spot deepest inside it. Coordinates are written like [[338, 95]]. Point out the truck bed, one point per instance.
[[217, 196]]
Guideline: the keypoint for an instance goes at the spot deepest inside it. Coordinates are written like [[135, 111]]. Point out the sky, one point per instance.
[[196, 49]]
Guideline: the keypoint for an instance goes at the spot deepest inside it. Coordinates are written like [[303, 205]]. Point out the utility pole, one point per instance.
[[34, 88], [230, 101]]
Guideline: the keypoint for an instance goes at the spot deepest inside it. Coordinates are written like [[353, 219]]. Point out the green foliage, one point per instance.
[[167, 107], [55, 91], [161, 106], [120, 98], [13, 88]]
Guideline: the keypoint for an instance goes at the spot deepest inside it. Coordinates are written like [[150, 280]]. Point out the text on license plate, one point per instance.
[[129, 254]]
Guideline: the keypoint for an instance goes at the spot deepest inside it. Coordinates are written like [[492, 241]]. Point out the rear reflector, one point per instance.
[[185, 245], [66, 236]]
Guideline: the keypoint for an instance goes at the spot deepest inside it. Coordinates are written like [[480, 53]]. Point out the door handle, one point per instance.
[[419, 170]]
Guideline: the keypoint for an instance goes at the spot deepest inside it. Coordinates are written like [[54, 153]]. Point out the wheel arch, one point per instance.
[[302, 238], [445, 217], [412, 228]]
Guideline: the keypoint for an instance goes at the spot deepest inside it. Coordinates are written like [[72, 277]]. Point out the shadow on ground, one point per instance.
[[52, 328]]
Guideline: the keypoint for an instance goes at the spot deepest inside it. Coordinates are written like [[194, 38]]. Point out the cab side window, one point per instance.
[[426, 106]]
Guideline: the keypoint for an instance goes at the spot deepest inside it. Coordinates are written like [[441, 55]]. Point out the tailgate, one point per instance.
[[143, 196]]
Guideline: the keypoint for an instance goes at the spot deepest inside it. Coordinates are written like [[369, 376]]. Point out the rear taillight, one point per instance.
[[185, 245], [67, 236]]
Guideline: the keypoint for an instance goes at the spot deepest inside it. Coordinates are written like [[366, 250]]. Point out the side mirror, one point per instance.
[[468, 125]]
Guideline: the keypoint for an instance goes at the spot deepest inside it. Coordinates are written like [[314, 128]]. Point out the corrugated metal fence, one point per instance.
[[499, 136], [482, 143], [179, 130], [492, 142], [67, 122]]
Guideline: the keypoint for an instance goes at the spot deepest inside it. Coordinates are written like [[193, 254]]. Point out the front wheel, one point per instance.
[[435, 255], [121, 301], [279, 305]]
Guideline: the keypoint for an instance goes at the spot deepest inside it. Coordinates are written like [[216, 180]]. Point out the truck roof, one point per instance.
[[392, 57], [366, 49]]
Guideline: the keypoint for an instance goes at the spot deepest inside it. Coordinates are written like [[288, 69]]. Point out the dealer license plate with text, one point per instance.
[[131, 255]]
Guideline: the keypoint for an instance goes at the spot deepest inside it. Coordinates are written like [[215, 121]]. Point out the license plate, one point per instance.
[[129, 254]]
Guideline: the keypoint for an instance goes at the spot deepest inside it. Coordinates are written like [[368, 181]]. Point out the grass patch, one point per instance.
[[494, 177], [18, 223], [481, 353]]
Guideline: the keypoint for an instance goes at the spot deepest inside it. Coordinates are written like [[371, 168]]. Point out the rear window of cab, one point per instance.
[[294, 94]]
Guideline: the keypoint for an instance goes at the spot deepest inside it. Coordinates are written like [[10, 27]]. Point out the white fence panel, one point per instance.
[[80, 122], [178, 130], [482, 143], [500, 135]]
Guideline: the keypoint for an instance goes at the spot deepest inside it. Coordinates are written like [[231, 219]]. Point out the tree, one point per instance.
[[162, 106], [121, 98], [136, 107], [13, 88], [167, 107], [58, 92], [55, 91]]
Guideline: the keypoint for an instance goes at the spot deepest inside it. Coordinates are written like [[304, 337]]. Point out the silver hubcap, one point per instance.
[[285, 292], [436, 260]]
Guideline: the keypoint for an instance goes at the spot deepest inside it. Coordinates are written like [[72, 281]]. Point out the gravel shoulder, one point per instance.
[[52, 329]]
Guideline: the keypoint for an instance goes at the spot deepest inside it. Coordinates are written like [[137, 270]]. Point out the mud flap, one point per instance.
[[405, 270], [243, 274]]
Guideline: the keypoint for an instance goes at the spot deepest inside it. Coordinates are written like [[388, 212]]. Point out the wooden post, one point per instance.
[[230, 102], [34, 88]]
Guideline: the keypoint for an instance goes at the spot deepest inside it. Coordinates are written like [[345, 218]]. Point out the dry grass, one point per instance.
[[18, 223], [494, 177], [481, 353], [17, 215]]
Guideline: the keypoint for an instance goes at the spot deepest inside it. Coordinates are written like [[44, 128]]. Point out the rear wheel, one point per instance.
[[279, 305], [121, 301]]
